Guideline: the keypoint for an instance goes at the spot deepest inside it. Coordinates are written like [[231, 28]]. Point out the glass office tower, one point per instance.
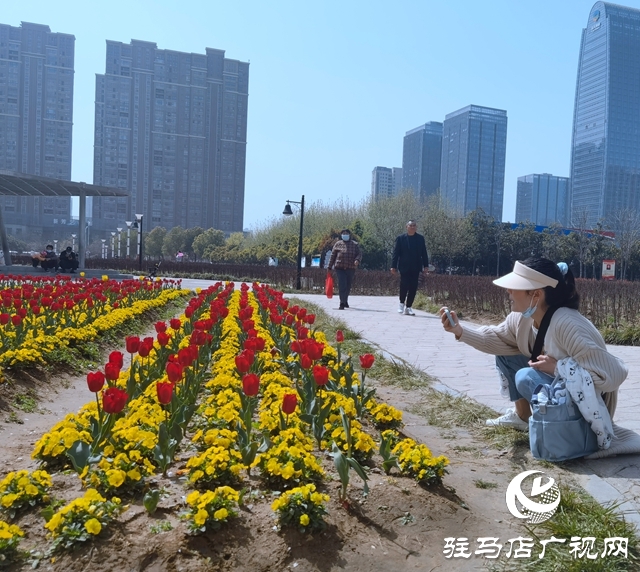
[[542, 199], [421, 153], [605, 150], [474, 147]]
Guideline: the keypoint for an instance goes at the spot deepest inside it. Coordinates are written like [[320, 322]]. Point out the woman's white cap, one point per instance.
[[525, 278]]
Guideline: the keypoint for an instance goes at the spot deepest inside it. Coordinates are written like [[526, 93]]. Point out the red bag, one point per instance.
[[328, 286]]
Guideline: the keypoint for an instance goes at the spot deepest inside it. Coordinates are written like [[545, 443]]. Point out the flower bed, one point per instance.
[[41, 315], [244, 388]]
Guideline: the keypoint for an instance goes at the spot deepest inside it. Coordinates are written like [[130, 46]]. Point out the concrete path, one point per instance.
[[422, 342]]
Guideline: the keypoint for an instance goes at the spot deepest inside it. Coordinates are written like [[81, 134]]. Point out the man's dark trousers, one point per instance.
[[345, 279], [408, 286]]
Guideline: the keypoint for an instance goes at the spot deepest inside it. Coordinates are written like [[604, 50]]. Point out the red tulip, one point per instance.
[[310, 318], [117, 358], [314, 349], [296, 347], [198, 337], [114, 399], [16, 320], [174, 371], [305, 361], [339, 336], [161, 327], [4, 319], [366, 361], [133, 344], [185, 358], [95, 381], [320, 374], [175, 323], [288, 319], [145, 349], [112, 371], [242, 364], [302, 313], [165, 392], [289, 403], [163, 339], [251, 384]]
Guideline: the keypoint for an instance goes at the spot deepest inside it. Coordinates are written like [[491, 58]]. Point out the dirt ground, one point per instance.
[[399, 526]]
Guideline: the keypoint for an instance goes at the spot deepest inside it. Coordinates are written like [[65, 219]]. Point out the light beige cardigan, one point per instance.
[[570, 334]]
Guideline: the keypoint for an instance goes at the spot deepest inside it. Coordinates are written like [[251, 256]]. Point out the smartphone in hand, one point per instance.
[[450, 317]]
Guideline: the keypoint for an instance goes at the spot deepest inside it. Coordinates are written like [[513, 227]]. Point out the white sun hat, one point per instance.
[[525, 278]]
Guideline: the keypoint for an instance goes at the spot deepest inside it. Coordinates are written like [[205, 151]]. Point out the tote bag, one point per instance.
[[328, 286], [557, 429]]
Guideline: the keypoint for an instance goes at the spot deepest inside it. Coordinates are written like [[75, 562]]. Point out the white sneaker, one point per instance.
[[400, 308], [408, 311], [509, 419]]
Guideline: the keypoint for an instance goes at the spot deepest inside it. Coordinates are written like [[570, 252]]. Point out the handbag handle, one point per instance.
[[544, 326]]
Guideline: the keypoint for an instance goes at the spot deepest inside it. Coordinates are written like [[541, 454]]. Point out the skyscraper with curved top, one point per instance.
[[605, 148]]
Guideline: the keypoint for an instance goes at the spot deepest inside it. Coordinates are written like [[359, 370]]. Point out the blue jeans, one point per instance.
[[522, 378]]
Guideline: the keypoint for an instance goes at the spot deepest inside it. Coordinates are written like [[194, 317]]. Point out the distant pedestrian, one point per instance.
[[179, 256], [345, 258], [410, 258]]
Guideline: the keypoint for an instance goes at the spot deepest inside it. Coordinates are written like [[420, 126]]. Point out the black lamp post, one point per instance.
[[138, 224], [288, 212]]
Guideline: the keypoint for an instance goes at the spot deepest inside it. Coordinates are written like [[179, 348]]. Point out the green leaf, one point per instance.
[[150, 500], [79, 453], [342, 466]]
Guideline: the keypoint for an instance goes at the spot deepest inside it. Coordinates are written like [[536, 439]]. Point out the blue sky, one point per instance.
[[333, 86]]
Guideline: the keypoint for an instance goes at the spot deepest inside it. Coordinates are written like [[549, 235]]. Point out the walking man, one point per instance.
[[410, 258], [345, 258]]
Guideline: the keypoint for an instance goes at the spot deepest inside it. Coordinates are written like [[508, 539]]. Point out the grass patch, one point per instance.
[[25, 402], [426, 303], [485, 484], [579, 515]]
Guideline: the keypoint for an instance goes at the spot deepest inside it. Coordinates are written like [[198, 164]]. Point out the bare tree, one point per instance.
[[627, 225], [387, 218]]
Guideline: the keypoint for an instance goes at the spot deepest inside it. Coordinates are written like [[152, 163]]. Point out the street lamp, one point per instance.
[[55, 246], [104, 247], [119, 242], [288, 212], [138, 224], [73, 242], [113, 243], [129, 225]]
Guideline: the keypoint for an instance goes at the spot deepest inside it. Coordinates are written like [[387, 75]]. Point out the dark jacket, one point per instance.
[[410, 253]]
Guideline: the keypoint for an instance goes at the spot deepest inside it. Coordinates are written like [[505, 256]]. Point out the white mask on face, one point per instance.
[[531, 310], [346, 236]]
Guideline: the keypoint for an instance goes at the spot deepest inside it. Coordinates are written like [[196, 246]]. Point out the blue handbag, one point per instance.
[[557, 429]]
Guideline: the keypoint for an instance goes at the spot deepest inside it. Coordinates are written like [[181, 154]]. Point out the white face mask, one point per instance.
[[531, 310], [346, 236]]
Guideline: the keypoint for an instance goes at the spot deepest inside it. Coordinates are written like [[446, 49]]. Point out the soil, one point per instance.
[[399, 526]]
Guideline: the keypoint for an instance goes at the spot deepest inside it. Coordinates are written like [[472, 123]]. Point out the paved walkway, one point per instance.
[[422, 342]]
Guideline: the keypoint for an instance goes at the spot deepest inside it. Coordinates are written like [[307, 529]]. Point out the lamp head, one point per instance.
[[113, 233], [128, 223], [119, 229], [287, 210]]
